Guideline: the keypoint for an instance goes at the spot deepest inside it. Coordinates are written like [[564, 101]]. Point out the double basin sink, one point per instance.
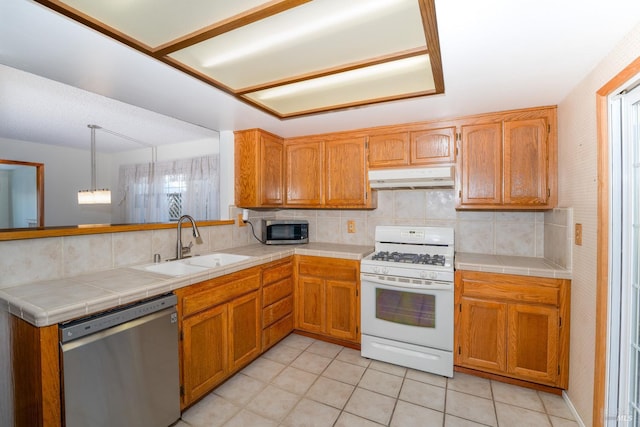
[[194, 264]]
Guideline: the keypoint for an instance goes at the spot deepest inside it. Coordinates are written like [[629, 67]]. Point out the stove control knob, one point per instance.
[[380, 270], [429, 275]]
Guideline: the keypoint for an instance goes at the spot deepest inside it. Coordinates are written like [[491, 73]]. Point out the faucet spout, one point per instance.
[[180, 250]]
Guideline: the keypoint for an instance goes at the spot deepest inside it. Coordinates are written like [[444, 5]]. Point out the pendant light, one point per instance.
[[93, 196]]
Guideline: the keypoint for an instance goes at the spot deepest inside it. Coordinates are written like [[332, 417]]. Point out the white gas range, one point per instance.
[[407, 298]]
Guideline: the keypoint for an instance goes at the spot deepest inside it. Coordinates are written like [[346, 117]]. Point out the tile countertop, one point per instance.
[[523, 266], [49, 302]]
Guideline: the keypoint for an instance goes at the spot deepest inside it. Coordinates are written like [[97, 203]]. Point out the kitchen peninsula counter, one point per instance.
[[49, 302], [518, 265]]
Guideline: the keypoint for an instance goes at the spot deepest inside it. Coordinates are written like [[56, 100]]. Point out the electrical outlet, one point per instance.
[[241, 223], [351, 226], [578, 235]]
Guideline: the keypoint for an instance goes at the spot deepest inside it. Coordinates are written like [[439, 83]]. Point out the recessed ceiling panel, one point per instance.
[[286, 57], [154, 22], [386, 81], [292, 43]]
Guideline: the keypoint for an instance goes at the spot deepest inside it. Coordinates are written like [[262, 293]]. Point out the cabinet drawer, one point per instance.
[[218, 291], [511, 292], [276, 273], [277, 291], [277, 311], [277, 331], [327, 269]]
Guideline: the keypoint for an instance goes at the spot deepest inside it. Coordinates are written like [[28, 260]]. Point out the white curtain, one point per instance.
[[162, 191]]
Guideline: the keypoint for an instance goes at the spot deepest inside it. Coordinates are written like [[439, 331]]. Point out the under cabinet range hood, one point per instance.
[[430, 177]]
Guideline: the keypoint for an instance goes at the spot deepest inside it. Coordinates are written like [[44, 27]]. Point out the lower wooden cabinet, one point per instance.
[[277, 302], [513, 326], [327, 297], [220, 330]]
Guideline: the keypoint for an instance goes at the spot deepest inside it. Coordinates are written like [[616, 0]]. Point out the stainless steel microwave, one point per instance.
[[285, 231]]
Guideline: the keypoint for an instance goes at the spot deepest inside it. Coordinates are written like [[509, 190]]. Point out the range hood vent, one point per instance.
[[430, 177]]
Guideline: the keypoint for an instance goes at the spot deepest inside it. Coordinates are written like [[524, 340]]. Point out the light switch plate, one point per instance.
[[351, 226]]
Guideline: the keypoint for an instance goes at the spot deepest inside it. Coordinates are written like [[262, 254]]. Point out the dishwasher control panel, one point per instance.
[[90, 325]]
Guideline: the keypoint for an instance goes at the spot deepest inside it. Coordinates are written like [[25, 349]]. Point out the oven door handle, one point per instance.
[[426, 285]]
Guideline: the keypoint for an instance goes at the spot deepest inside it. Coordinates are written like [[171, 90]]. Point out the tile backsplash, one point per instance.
[[533, 234], [488, 232]]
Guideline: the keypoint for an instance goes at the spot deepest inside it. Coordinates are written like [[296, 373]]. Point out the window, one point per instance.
[[164, 191]]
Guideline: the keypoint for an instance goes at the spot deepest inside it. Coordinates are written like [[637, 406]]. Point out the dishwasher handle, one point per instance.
[[82, 327]]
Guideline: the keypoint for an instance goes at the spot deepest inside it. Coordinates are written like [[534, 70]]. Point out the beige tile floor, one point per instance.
[[305, 382]]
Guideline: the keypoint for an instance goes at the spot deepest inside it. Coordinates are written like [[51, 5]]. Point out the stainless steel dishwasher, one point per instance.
[[120, 368]]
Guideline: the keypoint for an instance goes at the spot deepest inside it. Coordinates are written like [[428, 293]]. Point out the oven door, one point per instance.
[[420, 314]]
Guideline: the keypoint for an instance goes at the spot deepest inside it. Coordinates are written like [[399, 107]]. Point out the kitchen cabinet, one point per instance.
[[513, 326], [304, 173], [277, 302], [508, 161], [327, 297], [259, 169], [422, 146], [220, 330], [327, 173]]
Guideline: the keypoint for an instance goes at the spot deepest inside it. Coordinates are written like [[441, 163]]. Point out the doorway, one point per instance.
[[623, 329]]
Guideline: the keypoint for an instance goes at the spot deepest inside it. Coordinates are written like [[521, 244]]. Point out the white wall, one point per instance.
[[577, 167], [66, 171]]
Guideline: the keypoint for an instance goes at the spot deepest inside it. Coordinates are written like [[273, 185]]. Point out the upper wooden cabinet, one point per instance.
[[509, 161], [504, 161], [329, 173], [389, 150], [259, 169], [346, 173], [418, 147], [305, 173]]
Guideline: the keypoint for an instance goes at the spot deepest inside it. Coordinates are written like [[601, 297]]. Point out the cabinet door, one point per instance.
[[483, 329], [342, 310], [258, 169], [533, 333], [433, 146], [526, 162], [271, 171], [481, 164], [389, 150], [304, 172], [311, 304], [245, 315], [204, 348], [346, 175]]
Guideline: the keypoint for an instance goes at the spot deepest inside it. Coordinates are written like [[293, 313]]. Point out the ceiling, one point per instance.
[[58, 75]]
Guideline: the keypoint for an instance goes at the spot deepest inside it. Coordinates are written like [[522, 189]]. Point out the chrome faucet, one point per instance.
[[180, 250]]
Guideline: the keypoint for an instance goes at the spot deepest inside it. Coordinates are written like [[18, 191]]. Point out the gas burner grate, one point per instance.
[[409, 258]]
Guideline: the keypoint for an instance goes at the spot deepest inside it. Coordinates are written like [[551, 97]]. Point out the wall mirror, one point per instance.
[[21, 194]]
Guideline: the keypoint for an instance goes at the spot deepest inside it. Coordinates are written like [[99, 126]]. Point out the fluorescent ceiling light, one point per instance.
[[342, 78], [353, 53], [304, 28]]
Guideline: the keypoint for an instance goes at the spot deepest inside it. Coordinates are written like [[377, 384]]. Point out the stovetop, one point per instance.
[[412, 252], [409, 258]]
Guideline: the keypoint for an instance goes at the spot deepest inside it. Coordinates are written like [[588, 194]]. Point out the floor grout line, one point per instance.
[[373, 365]]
